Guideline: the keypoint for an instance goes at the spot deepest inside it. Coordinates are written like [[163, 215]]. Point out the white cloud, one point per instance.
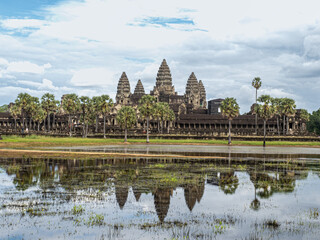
[[93, 77], [44, 85], [22, 23], [27, 67], [3, 62]]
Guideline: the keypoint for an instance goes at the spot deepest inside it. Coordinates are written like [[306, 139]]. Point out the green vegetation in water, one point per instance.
[[76, 210], [95, 220], [36, 211], [272, 224], [219, 228], [314, 213]]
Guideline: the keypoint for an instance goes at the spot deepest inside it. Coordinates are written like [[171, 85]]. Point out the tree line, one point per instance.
[[89, 111], [265, 108]]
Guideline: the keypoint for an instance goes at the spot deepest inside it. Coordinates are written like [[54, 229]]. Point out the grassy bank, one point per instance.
[[34, 142]]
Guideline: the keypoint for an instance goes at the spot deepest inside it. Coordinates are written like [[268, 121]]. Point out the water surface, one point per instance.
[[144, 198]]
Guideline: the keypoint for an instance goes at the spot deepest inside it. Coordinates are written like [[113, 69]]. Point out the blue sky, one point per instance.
[[24, 8], [84, 46]]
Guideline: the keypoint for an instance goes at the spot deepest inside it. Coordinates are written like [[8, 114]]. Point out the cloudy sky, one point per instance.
[[83, 46]]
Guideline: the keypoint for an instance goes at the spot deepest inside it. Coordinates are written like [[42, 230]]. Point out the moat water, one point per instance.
[[261, 196]]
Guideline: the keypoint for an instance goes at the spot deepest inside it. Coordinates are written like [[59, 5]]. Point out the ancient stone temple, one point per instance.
[[193, 116], [193, 99]]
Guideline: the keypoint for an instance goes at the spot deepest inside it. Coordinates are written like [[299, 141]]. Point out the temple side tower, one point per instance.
[[138, 93], [192, 95], [203, 97], [163, 81], [139, 90], [123, 90]]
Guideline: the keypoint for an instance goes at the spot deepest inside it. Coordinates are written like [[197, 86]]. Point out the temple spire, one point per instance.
[[164, 80], [139, 90]]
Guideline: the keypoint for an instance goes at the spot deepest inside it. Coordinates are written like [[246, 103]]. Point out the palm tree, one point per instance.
[[146, 109], [127, 119], [49, 105], [169, 116], [288, 107], [85, 107], [276, 103], [265, 111], [71, 105], [105, 108], [230, 109], [256, 83], [304, 116], [96, 103], [39, 117], [15, 111], [33, 108], [158, 110], [163, 112], [22, 103]]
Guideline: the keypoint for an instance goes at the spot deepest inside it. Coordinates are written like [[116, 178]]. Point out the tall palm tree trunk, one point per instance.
[[23, 120], [147, 129], [264, 133], [278, 127], [287, 125], [125, 134], [48, 122], [54, 121], [104, 126], [97, 122], [87, 129], [256, 117], [284, 125], [162, 126], [38, 126], [15, 125], [229, 138], [70, 132]]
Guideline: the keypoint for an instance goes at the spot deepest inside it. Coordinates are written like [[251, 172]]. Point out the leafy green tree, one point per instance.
[[71, 105], [288, 109], [49, 105], [170, 116], [146, 109], [304, 115], [39, 117], [276, 103], [33, 108], [96, 104], [127, 119], [163, 113], [22, 103], [265, 111], [230, 109], [4, 108], [87, 113], [313, 124], [256, 83], [15, 111], [105, 108]]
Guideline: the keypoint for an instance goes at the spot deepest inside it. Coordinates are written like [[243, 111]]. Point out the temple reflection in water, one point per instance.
[[159, 179]]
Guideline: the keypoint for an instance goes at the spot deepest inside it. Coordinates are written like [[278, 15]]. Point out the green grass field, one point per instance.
[[34, 141]]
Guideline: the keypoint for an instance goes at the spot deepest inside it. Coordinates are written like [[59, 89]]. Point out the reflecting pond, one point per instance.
[[148, 198]]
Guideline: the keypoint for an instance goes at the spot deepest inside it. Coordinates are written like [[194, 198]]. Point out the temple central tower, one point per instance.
[[163, 81]]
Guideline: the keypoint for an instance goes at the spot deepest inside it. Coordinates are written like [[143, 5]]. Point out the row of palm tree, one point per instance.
[[148, 109], [267, 108], [89, 109]]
